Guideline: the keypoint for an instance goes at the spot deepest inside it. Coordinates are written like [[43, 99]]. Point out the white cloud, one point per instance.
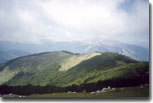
[[68, 20], [84, 15]]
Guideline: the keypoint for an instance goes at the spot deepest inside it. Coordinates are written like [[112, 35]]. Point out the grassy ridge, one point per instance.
[[127, 71], [44, 69]]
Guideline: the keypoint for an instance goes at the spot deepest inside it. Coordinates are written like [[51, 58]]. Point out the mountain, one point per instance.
[[87, 46], [11, 54], [133, 51], [62, 68]]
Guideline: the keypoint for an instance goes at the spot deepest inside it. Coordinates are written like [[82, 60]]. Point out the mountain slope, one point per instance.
[[61, 68], [137, 52], [133, 51], [11, 54]]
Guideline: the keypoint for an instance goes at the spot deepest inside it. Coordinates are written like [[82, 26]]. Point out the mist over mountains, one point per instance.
[[10, 50]]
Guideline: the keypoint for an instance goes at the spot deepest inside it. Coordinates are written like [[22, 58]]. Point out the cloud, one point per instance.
[[69, 20]]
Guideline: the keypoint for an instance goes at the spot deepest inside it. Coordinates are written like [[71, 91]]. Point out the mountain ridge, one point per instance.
[[133, 51], [44, 68]]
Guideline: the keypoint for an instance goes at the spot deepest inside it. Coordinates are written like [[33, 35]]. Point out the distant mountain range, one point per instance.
[[11, 50], [11, 54], [62, 69]]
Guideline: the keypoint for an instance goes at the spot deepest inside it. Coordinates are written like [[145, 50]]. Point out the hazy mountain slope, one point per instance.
[[133, 51], [11, 54], [58, 68]]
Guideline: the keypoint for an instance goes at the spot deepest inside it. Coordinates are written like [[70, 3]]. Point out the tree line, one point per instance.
[[87, 87]]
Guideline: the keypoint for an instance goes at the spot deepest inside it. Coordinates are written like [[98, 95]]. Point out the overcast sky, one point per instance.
[[69, 20]]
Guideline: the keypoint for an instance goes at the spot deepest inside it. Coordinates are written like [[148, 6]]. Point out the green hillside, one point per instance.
[[61, 68]]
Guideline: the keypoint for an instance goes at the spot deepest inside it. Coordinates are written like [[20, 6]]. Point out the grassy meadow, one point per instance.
[[127, 92]]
